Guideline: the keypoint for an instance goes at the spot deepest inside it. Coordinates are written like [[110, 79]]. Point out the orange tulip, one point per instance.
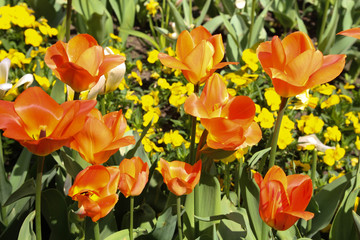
[[81, 62], [95, 190], [101, 136], [39, 123], [199, 55], [229, 120], [352, 32], [294, 65], [283, 199], [180, 177], [134, 174]]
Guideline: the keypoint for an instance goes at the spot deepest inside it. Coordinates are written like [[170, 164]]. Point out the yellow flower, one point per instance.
[[170, 51], [22, 16], [139, 65], [305, 99], [285, 138], [333, 155], [128, 113], [336, 177], [232, 92], [357, 143], [333, 134], [250, 58], [150, 146], [155, 75], [147, 102], [45, 29], [132, 97], [123, 84], [305, 166], [266, 118], [116, 38], [153, 56], [136, 77], [351, 118], [286, 123], [354, 161], [5, 19], [310, 124], [163, 83], [347, 98], [272, 98], [32, 37], [155, 95], [173, 137], [348, 86], [152, 7], [331, 101], [43, 81], [325, 89], [152, 114]]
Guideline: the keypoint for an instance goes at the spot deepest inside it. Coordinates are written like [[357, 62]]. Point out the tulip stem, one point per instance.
[[227, 180], [3, 208], [68, 20], [252, 20], [96, 231], [264, 231], [324, 21], [313, 168], [193, 132], [131, 230], [178, 211], [40, 166], [276, 131]]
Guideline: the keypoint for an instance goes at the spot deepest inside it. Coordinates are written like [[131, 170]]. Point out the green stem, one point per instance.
[[96, 231], [40, 166], [324, 20], [252, 19], [178, 212], [275, 136], [313, 168], [201, 144], [190, 13], [3, 208], [264, 231], [151, 25], [193, 133], [68, 20], [102, 105], [227, 180], [131, 230], [237, 178]]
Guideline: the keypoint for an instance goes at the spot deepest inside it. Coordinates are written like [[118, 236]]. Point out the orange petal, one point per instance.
[[275, 173], [299, 190], [253, 135], [79, 44], [352, 32], [215, 93], [171, 62], [184, 45], [109, 62], [106, 204], [56, 55], [241, 107], [117, 123], [91, 59], [44, 146], [331, 68], [285, 89], [200, 33], [218, 44], [195, 107], [11, 123], [278, 57], [296, 43]]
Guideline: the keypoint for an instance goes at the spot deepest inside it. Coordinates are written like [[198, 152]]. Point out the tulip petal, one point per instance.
[[203, 51], [110, 62], [302, 214], [299, 190], [331, 68], [241, 107], [253, 135], [296, 43], [278, 57], [56, 55], [200, 33], [171, 62], [184, 45], [218, 44], [195, 107], [79, 44], [11, 123], [352, 32], [96, 54]]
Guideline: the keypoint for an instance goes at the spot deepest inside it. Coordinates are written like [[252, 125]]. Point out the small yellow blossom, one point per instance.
[[147, 102], [45, 29], [139, 65], [155, 75], [152, 114], [346, 98], [173, 137], [152, 7], [170, 51], [266, 118], [43, 81], [333, 155], [250, 58], [305, 166], [325, 89], [116, 38], [272, 98], [285, 138], [304, 100], [310, 124], [351, 118], [128, 113], [132, 97], [331, 101], [332, 134], [155, 95], [123, 85], [232, 92], [149, 146], [153, 56], [136, 77], [357, 143], [163, 83], [286, 123], [32, 37], [354, 161], [349, 86]]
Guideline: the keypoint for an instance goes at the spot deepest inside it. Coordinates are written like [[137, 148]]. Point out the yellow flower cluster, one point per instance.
[[17, 58], [310, 124], [272, 98], [333, 155], [152, 7], [285, 135], [174, 138]]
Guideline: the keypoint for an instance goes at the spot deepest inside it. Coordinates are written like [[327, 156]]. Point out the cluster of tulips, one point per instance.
[[42, 125]]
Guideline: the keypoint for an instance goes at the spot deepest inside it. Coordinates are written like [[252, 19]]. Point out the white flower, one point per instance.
[[313, 140], [240, 4]]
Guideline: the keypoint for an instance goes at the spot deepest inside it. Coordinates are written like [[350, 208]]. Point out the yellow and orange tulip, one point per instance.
[[283, 199], [180, 177], [39, 123], [198, 55], [229, 120], [81, 62], [101, 136], [95, 190], [352, 32], [294, 64], [134, 174]]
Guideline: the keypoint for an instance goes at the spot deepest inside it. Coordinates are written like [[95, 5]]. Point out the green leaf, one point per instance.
[[56, 217], [203, 12], [327, 39], [357, 221], [257, 156], [258, 25], [27, 230], [132, 152], [71, 166], [57, 92], [229, 6], [214, 23], [128, 14], [27, 189], [165, 226], [141, 35], [179, 21], [5, 186], [19, 172]]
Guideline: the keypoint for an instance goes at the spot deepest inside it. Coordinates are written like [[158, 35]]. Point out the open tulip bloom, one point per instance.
[[180, 177], [229, 120], [294, 64], [39, 123], [283, 199], [198, 55], [81, 62], [95, 190], [101, 136]]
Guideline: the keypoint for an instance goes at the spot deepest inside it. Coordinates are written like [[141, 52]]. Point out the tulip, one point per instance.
[[101, 137], [39, 123], [199, 55], [294, 65], [283, 199], [352, 32], [134, 174], [229, 120], [95, 190], [180, 177], [81, 62]]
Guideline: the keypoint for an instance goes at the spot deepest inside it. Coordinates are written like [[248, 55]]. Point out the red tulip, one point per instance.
[[134, 174], [95, 189], [39, 123], [81, 62], [198, 55], [294, 65], [180, 177], [352, 32], [229, 120], [101, 137], [283, 199]]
